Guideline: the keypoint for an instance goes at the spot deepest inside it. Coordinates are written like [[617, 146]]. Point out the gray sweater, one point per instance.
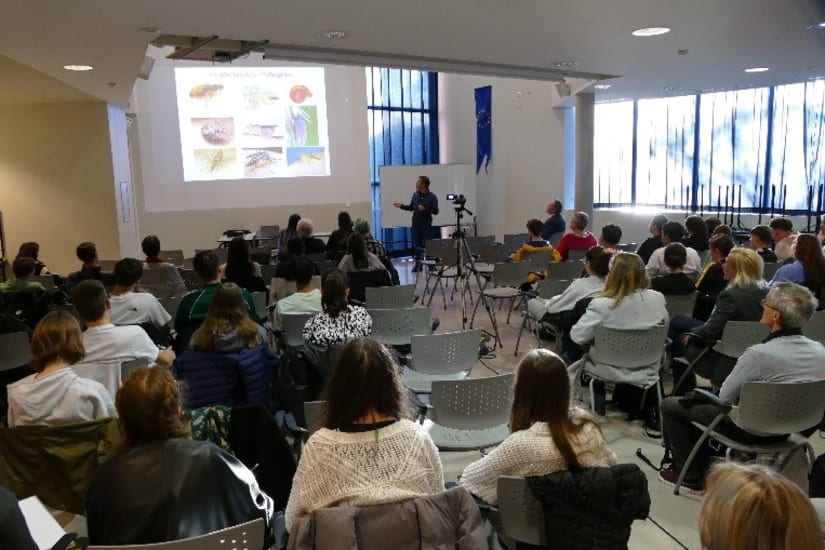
[[786, 359]]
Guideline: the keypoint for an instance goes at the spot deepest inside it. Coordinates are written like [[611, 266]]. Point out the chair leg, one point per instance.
[[521, 330], [688, 370], [475, 307], [695, 450], [492, 311], [592, 396]]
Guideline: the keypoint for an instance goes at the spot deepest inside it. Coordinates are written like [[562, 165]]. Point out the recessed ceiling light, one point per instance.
[[565, 64], [651, 31], [333, 35], [601, 86], [78, 67], [757, 70]]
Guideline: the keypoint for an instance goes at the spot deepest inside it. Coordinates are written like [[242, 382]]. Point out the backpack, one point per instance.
[[298, 380]]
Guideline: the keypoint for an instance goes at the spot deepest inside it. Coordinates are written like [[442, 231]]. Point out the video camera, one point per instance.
[[458, 199]]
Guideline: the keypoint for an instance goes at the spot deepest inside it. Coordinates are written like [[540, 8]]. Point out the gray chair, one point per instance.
[[171, 305], [506, 280], [280, 288], [107, 265], [470, 414], [46, 280], [246, 536], [513, 241], [767, 408], [539, 260], [390, 297], [770, 270], [576, 255], [546, 290], [128, 367], [433, 249], [568, 270], [156, 282], [815, 327], [314, 415], [174, 257], [490, 254], [268, 272], [447, 356], [445, 267], [190, 279], [293, 328], [475, 243], [15, 350], [268, 232], [259, 300], [680, 304], [396, 327], [520, 514]]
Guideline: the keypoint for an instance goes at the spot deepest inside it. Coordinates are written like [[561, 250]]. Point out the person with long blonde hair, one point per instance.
[[751, 507], [227, 326], [546, 433]]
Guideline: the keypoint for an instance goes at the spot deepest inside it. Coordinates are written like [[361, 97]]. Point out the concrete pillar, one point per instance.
[[585, 109]]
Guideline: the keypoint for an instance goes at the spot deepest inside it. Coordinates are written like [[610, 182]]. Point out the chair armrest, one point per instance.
[[704, 396]]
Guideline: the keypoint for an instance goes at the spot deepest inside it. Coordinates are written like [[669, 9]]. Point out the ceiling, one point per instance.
[[722, 38]]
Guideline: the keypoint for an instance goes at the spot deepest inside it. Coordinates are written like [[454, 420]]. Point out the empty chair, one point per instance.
[[568, 270], [489, 255], [293, 326], [447, 356], [475, 243], [434, 249], [390, 297], [471, 413], [127, 367], [156, 282], [246, 536], [396, 327], [15, 350], [506, 280], [513, 241], [445, 267], [680, 304], [174, 257]]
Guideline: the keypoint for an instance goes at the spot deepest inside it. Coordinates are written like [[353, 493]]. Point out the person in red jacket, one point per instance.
[[579, 238]]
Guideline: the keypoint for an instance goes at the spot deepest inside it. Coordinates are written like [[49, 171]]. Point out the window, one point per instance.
[[402, 109]]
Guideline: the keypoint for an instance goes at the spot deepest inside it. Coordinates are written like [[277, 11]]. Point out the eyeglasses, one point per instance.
[[766, 304]]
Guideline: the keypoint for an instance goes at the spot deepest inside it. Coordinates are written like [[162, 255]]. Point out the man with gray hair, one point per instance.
[[312, 245], [785, 356]]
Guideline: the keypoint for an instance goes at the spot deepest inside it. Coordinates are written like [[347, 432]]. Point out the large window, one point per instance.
[[763, 147], [402, 107]]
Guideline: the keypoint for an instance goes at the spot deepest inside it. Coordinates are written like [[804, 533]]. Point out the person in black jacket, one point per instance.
[[712, 280], [675, 282], [312, 245], [654, 241]]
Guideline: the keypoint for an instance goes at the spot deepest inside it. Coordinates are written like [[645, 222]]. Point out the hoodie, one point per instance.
[[61, 397], [232, 341]]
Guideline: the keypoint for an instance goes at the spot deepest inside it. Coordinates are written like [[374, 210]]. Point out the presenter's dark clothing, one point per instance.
[[554, 224], [314, 245], [646, 249], [422, 221]]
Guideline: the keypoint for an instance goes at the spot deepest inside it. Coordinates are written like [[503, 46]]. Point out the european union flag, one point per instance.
[[484, 130]]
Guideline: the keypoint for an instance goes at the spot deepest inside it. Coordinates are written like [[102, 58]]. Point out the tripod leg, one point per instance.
[[492, 312]]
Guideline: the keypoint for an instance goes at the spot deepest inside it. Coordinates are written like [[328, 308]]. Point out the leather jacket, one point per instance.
[[171, 490]]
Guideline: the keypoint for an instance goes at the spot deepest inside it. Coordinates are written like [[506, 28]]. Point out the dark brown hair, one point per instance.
[[239, 266], [722, 243], [23, 267], [227, 313], [366, 379], [89, 299], [357, 248], [762, 233], [149, 404], [128, 271], [535, 226], [542, 394], [599, 261], [809, 252], [151, 246], [56, 336], [86, 252], [334, 292], [30, 249]]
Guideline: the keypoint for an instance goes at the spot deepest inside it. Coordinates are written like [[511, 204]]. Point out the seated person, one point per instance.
[[174, 285], [358, 258], [749, 506], [786, 356], [696, 233], [783, 238], [610, 238], [55, 394], [362, 227], [712, 223], [135, 308], [722, 229], [339, 322], [654, 241], [87, 253], [546, 434], [133, 499], [227, 326], [578, 238], [285, 268], [675, 282], [23, 269], [290, 231], [306, 298], [312, 245], [194, 305], [555, 224], [240, 269], [338, 239], [672, 232], [103, 341], [379, 455], [712, 280], [31, 249], [760, 239], [808, 266]]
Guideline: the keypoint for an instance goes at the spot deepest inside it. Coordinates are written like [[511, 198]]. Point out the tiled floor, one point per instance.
[[676, 514]]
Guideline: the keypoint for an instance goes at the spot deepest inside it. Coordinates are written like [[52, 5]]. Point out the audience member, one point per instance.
[[285, 267], [362, 227], [697, 234], [306, 298], [240, 269], [55, 394], [358, 258], [675, 282], [23, 269], [783, 238], [546, 433], [578, 239], [712, 223], [654, 241], [312, 245], [808, 267], [290, 231], [87, 253], [535, 243], [135, 308], [133, 499], [610, 238], [339, 322], [172, 284], [712, 280], [31, 249], [104, 341], [786, 356], [673, 232], [760, 238], [722, 229], [227, 326], [339, 238], [752, 507], [740, 301], [194, 306], [555, 223], [379, 456]]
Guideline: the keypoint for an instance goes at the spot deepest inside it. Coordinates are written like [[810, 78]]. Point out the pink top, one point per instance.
[[571, 242]]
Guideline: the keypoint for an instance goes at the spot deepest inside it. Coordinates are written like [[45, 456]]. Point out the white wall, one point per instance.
[[528, 161]]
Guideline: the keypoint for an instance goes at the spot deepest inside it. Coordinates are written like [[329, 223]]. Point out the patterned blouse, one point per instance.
[[323, 331]]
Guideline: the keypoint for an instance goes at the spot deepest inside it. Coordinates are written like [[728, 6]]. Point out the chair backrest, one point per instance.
[[770, 270], [280, 288], [261, 254], [190, 279], [492, 253], [575, 255], [15, 350], [128, 367], [46, 280], [360, 280], [510, 274], [513, 241], [627, 247], [390, 297], [475, 243], [318, 257], [815, 327], [108, 373], [396, 327], [326, 265], [107, 265], [268, 271], [446, 353], [781, 408], [171, 305], [555, 238], [680, 304], [629, 348], [737, 336], [155, 278], [174, 257], [520, 513], [269, 231], [246, 536], [472, 403], [435, 247], [293, 326], [566, 270], [314, 415], [550, 287], [259, 300], [538, 259]]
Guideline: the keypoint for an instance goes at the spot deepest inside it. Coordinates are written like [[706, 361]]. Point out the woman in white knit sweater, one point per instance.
[[367, 452], [547, 434]]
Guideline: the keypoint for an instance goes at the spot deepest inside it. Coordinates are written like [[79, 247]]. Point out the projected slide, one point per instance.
[[238, 123]]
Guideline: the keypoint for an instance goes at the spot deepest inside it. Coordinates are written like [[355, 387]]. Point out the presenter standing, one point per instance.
[[423, 205]]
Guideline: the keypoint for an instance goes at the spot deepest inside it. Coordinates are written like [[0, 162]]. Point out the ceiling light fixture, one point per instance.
[[333, 35], [816, 26], [78, 67], [651, 31], [601, 86], [565, 64], [757, 70]]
